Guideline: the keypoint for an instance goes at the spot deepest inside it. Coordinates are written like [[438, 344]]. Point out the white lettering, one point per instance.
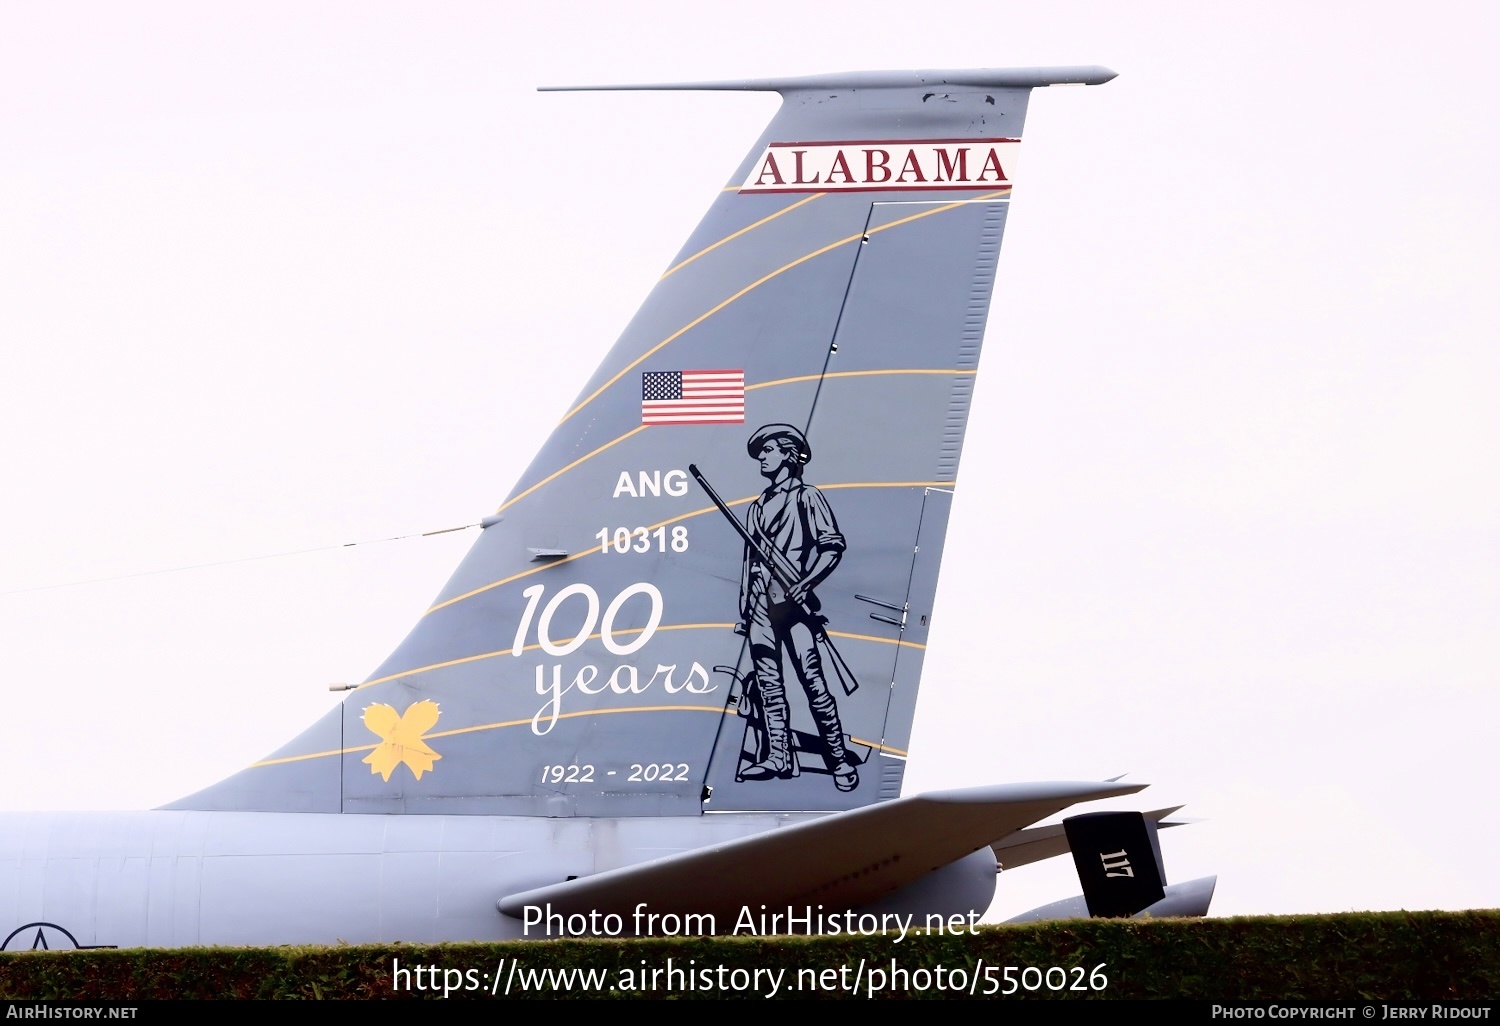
[[544, 625], [582, 682], [633, 688], [644, 483], [532, 595], [653, 620], [667, 684], [553, 705], [699, 675], [1116, 864], [624, 680]]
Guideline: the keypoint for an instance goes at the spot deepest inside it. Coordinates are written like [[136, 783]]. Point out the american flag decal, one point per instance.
[[693, 397]]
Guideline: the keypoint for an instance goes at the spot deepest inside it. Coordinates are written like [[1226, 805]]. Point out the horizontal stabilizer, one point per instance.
[[1034, 844], [981, 78], [839, 861]]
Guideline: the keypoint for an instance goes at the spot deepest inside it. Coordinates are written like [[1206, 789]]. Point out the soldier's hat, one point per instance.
[[771, 431]]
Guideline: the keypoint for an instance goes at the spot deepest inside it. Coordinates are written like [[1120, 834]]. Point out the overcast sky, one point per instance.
[[281, 276]]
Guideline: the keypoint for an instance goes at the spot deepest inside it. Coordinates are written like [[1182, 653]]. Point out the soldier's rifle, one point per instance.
[[786, 575]]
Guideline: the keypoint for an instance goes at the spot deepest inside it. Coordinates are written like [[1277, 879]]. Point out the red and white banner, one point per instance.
[[884, 166]]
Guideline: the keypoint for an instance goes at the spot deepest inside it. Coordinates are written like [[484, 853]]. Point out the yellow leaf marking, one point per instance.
[[401, 738]]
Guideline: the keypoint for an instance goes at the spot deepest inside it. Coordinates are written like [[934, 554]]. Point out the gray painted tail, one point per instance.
[[628, 637]]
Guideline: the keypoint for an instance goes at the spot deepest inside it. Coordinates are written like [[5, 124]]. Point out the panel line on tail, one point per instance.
[[761, 281], [833, 345], [734, 235]]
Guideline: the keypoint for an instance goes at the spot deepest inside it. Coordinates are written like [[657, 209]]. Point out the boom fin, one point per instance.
[[616, 643], [1118, 859]]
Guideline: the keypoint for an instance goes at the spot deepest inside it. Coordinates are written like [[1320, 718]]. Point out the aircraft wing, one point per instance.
[[840, 861], [1033, 844]]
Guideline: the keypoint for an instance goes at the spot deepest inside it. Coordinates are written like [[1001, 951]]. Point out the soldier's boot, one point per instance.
[[778, 763], [826, 712]]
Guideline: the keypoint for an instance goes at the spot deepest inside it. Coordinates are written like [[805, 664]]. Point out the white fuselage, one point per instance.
[[172, 878]]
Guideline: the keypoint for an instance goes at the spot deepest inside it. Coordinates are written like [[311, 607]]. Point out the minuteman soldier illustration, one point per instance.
[[792, 545]]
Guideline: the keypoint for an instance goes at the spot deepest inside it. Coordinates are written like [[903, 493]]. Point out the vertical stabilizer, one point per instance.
[[712, 588]]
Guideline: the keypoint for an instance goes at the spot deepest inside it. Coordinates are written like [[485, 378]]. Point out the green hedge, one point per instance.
[[1365, 956]]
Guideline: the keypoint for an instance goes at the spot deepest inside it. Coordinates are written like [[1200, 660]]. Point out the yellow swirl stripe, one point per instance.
[[621, 632], [953, 372], [714, 709], [667, 523], [748, 228], [761, 281], [559, 473]]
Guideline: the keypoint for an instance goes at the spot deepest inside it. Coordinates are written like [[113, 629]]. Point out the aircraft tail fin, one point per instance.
[[712, 588]]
